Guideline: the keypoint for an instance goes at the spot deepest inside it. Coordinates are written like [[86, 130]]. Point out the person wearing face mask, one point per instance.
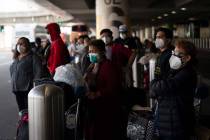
[[79, 49], [58, 54], [175, 113], [163, 40], [126, 39], [84, 59], [25, 68], [122, 60], [106, 36], [120, 56], [102, 118]]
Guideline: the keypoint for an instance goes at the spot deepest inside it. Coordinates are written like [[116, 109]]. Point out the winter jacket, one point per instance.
[[59, 54], [162, 66], [24, 71], [129, 41], [175, 113], [103, 116]]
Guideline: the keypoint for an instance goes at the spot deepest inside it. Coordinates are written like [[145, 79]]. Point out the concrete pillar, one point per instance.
[[142, 37], [111, 14], [148, 33], [153, 32]]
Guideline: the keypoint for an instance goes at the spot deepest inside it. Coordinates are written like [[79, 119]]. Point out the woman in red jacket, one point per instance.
[[103, 108]]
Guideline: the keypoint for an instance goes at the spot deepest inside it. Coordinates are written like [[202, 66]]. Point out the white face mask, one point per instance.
[[159, 43], [175, 62], [123, 35], [18, 48], [106, 40]]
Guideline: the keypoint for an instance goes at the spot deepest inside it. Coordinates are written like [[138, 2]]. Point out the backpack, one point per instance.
[[22, 129], [72, 76]]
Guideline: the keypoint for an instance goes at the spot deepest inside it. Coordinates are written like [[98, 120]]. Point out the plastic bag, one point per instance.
[[72, 76]]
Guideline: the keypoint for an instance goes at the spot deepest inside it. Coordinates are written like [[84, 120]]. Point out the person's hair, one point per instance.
[[106, 31], [26, 40], [168, 32], [146, 41], [189, 49], [86, 37], [81, 37], [16, 53], [99, 44]]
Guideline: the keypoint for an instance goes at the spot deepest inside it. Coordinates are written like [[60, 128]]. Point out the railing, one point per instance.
[[201, 43]]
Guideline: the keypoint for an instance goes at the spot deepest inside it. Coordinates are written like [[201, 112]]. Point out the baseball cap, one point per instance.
[[123, 28]]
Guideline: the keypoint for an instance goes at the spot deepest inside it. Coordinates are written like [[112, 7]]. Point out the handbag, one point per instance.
[[140, 125]]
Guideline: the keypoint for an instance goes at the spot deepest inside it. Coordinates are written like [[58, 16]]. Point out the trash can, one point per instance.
[[46, 113]]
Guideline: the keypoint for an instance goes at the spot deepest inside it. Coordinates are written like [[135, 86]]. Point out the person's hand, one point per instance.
[[93, 95]]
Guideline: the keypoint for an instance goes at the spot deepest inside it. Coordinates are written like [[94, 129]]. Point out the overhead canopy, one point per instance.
[[140, 11]]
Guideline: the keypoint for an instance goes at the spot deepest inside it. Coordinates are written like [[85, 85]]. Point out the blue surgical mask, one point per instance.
[[93, 57]]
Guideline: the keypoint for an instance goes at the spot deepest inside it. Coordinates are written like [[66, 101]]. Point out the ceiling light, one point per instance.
[[159, 17], [165, 15], [173, 12], [183, 9], [192, 19]]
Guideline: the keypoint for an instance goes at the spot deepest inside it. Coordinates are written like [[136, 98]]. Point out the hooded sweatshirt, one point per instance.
[[59, 54]]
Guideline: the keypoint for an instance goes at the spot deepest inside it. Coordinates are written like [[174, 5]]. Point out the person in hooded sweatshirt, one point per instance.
[[59, 54]]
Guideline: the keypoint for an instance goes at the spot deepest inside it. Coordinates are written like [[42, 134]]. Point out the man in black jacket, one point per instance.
[[163, 40]]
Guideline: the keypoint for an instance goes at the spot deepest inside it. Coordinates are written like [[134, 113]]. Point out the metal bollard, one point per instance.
[[152, 69], [203, 43], [135, 73], [197, 43], [46, 113], [207, 43], [152, 76], [200, 43]]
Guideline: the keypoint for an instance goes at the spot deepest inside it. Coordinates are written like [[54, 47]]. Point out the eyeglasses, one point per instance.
[[178, 54]]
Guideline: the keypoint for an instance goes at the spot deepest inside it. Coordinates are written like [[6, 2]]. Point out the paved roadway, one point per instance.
[[8, 107]]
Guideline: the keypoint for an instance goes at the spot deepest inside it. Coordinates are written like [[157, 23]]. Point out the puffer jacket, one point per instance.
[[162, 66], [59, 54], [175, 113]]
